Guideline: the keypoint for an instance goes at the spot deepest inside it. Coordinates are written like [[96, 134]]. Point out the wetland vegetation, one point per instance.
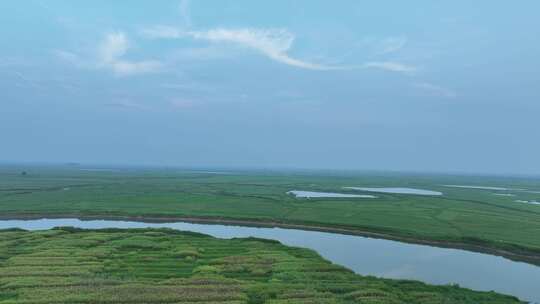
[[69, 265], [461, 217]]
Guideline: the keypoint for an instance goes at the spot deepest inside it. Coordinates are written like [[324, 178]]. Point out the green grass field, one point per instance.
[[67, 265], [471, 216]]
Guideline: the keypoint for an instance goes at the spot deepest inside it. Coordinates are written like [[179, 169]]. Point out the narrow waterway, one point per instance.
[[366, 256]]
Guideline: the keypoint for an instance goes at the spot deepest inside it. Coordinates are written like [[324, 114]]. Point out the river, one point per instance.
[[365, 256]]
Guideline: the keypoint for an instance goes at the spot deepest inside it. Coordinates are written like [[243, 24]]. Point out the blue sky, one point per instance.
[[385, 85]]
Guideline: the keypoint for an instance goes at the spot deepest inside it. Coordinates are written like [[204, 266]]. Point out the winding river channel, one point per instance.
[[366, 256]]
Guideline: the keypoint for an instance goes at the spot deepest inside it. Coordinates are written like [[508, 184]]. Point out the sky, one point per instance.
[[426, 86]]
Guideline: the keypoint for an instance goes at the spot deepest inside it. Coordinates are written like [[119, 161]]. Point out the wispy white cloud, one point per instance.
[[393, 44], [163, 31], [67, 56], [74, 59], [391, 66], [111, 52], [435, 90], [110, 55], [24, 81], [273, 43], [377, 46]]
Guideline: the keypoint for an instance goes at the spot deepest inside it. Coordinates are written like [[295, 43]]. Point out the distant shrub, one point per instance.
[[187, 253], [206, 269], [139, 242]]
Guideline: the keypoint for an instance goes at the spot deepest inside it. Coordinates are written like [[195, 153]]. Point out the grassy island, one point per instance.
[[68, 265]]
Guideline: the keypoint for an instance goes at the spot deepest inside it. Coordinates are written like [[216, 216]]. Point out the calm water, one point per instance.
[[504, 194], [479, 187], [396, 190], [528, 202], [363, 255], [308, 194]]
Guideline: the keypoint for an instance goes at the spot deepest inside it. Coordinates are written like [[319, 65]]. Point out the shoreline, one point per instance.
[[525, 256]]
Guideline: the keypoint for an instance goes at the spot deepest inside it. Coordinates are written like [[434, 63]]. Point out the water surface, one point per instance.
[[396, 190], [363, 255], [528, 202], [479, 187], [310, 194], [504, 194]]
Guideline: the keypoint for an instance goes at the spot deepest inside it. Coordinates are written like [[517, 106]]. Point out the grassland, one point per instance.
[[472, 218], [68, 265]]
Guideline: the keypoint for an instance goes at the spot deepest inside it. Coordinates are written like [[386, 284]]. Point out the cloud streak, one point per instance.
[[273, 43], [391, 66], [393, 44], [110, 55], [111, 52], [435, 90]]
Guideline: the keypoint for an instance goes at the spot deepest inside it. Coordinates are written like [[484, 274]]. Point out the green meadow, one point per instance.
[[68, 265], [475, 217]]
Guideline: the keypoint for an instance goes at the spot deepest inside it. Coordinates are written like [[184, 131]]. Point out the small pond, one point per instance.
[[397, 190], [312, 194], [528, 202]]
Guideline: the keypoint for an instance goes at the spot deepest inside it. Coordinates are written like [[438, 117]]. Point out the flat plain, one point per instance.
[[481, 218]]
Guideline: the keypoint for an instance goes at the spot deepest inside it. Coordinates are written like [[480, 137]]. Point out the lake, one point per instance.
[[366, 256]]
